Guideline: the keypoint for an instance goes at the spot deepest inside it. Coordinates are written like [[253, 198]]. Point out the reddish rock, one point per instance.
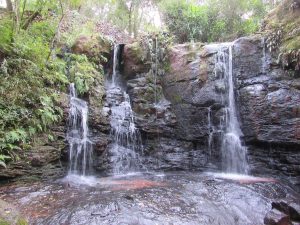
[[92, 46], [135, 61]]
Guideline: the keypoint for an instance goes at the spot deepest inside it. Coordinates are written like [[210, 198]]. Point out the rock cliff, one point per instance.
[[175, 124]]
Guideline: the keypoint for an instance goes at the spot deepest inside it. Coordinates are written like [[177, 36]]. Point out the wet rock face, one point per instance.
[[171, 111], [190, 86], [267, 102], [268, 97]]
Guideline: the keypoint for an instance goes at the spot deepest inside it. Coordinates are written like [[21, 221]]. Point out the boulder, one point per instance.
[[267, 99], [135, 60], [92, 46]]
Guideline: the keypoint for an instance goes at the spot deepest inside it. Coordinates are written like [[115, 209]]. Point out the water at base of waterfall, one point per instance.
[[80, 146], [233, 151]]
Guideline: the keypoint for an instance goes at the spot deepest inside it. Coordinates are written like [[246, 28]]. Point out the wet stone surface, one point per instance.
[[171, 198]]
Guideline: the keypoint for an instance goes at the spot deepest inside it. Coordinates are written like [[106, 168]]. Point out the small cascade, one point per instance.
[[81, 148], [211, 131], [115, 65], [127, 145], [155, 70], [233, 152], [264, 58]]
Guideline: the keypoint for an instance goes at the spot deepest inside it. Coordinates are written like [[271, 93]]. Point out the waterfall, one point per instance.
[[233, 152], [81, 148], [264, 58], [126, 146], [210, 131], [115, 65], [155, 71]]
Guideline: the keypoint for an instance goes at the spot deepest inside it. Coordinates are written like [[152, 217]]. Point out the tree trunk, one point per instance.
[[16, 16], [52, 46], [30, 19], [130, 27], [9, 6]]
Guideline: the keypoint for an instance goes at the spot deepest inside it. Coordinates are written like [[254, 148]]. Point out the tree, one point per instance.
[[212, 20], [9, 6]]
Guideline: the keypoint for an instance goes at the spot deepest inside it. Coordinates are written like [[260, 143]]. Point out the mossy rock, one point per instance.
[[282, 27], [136, 51], [135, 60], [93, 47]]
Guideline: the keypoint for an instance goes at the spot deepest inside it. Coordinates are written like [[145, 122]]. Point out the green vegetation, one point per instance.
[[292, 44], [46, 44], [28, 102], [3, 222], [32, 76], [83, 73], [214, 20]]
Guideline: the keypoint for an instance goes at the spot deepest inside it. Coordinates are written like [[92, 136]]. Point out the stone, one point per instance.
[[135, 60], [267, 99], [9, 214], [289, 210], [92, 46]]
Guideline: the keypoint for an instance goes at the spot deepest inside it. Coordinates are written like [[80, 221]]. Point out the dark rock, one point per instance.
[[267, 100], [128, 197], [278, 218], [283, 213], [289, 210], [42, 155]]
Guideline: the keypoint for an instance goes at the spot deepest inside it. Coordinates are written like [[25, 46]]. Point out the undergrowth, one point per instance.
[[31, 80]]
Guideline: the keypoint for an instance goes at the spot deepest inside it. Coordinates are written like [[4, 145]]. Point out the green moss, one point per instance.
[[292, 44], [177, 99], [22, 221], [191, 56], [4, 222], [167, 66], [137, 51]]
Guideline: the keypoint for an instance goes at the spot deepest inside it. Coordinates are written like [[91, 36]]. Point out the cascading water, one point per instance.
[[126, 146], [211, 131], [233, 152], [81, 148], [115, 65], [265, 59]]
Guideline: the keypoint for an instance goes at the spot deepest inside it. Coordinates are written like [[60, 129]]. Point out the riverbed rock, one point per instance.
[[283, 213], [9, 214]]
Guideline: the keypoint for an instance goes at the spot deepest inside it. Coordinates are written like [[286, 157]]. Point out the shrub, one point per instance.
[[213, 20]]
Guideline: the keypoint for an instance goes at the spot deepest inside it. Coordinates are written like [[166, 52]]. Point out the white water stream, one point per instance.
[[81, 148], [233, 151]]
